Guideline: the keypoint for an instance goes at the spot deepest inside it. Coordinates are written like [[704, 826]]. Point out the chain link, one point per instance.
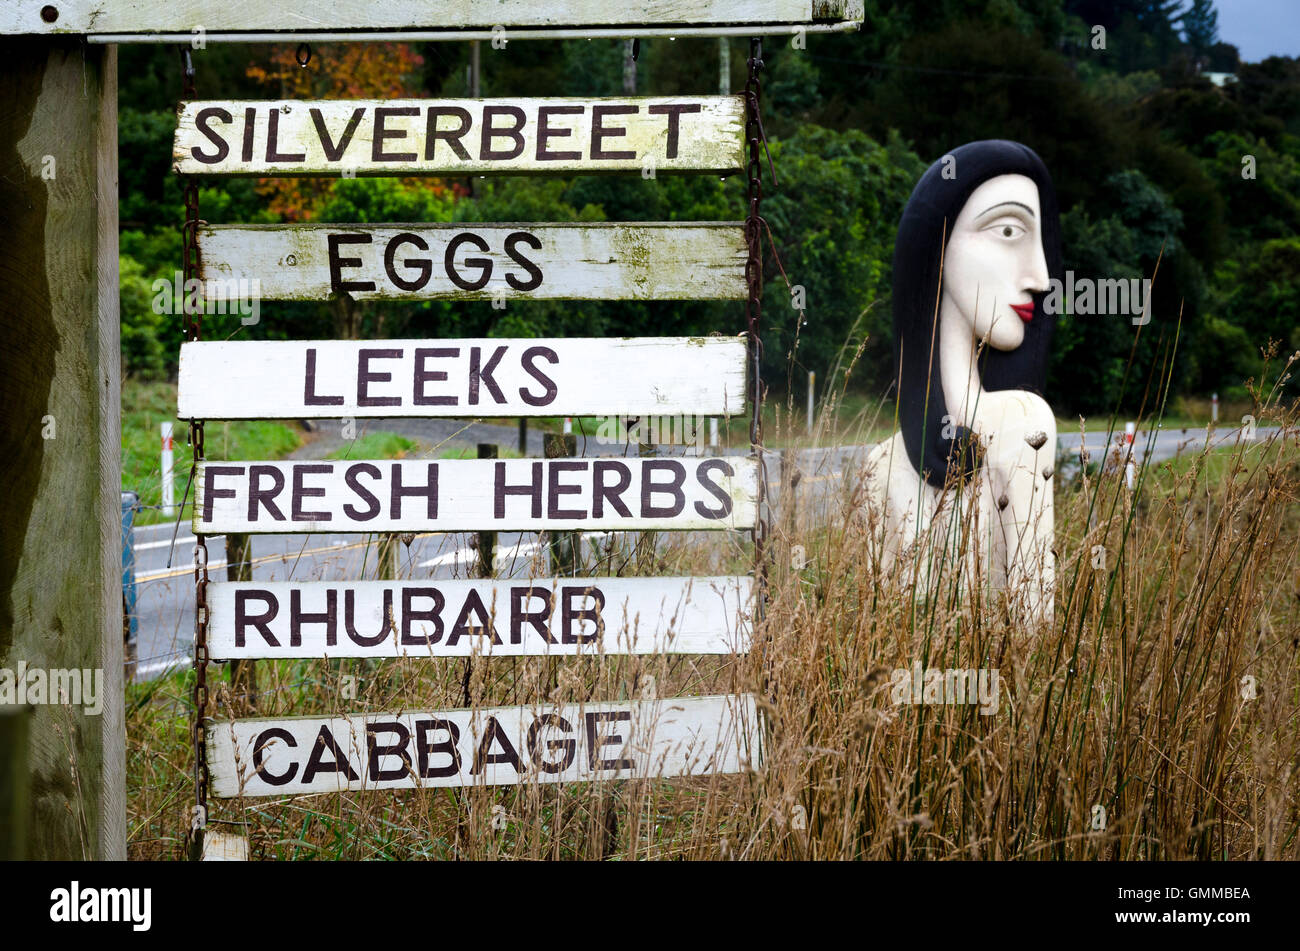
[[754, 225], [192, 311]]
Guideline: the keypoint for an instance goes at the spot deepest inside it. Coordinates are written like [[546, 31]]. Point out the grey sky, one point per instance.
[[1260, 28]]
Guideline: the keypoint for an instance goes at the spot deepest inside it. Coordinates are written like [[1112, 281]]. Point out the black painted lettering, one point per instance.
[[264, 498], [600, 131], [397, 748], [325, 743], [713, 488], [533, 489], [309, 396], [385, 619], [350, 477], [335, 152], [556, 467], [484, 265], [566, 747], [490, 131], [201, 120], [261, 622], [674, 112], [450, 136], [545, 132], [520, 615], [483, 374], [298, 617], [273, 142], [424, 750], [260, 745], [603, 492], [529, 362], [429, 490], [572, 616], [366, 376], [411, 614], [483, 756], [650, 488], [423, 375], [423, 266], [513, 240], [597, 740], [337, 263], [300, 492], [210, 492], [382, 132]]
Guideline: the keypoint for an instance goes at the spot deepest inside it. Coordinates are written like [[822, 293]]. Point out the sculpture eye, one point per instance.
[[1009, 230]]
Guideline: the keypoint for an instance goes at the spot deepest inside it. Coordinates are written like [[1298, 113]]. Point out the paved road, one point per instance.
[[164, 572]]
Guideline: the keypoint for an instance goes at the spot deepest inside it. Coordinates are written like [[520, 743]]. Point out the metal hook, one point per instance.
[[636, 49], [303, 55]]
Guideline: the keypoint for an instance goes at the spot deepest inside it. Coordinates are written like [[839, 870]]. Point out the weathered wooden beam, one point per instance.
[[465, 495], [545, 743], [564, 376], [97, 17], [460, 618], [60, 443], [460, 136], [499, 262]]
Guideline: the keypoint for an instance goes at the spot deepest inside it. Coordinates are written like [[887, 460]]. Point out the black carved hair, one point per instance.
[[923, 233]]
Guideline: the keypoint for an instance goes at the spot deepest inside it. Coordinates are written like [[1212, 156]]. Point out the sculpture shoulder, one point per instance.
[[1015, 414]]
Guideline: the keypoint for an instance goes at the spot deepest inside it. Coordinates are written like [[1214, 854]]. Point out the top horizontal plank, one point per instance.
[[287, 137], [94, 17]]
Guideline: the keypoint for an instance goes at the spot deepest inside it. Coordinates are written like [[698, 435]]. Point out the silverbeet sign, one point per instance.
[[653, 261], [460, 136], [618, 494], [688, 736], [438, 618], [574, 376]]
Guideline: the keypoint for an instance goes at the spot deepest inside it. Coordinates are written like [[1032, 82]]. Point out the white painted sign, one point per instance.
[[98, 17], [499, 262], [428, 618], [687, 736], [460, 136], [460, 495], [572, 376]]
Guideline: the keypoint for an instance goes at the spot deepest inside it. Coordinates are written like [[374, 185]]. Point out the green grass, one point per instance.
[[376, 446], [145, 406]]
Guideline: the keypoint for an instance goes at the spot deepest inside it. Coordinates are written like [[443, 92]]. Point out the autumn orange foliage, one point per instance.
[[336, 71]]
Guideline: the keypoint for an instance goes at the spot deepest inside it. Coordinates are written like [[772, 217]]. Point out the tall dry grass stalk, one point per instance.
[[1123, 729]]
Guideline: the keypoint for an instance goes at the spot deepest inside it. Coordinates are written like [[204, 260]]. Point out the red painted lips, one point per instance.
[[1026, 311]]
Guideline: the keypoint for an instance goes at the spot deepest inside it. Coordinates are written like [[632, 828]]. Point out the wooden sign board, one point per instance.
[[460, 136], [652, 261], [571, 376], [686, 736], [461, 495], [523, 618], [99, 17]]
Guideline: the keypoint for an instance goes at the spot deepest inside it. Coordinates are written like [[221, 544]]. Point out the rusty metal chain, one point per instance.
[[754, 226], [192, 309]]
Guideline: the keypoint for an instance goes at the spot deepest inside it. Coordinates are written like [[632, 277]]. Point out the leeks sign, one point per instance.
[[437, 619]]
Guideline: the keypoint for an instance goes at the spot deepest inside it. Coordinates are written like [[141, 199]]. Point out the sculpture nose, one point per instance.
[[1036, 279]]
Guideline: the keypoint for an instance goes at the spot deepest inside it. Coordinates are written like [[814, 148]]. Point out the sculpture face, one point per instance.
[[994, 261]]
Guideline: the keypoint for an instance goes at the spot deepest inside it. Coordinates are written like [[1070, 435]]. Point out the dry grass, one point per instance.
[[1132, 701]]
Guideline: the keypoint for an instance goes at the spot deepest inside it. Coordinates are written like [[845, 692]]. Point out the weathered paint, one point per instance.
[[281, 16], [651, 261], [461, 495], [544, 743], [460, 136], [459, 618], [566, 376]]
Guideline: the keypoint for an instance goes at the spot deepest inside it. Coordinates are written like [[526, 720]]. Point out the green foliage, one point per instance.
[[142, 329]]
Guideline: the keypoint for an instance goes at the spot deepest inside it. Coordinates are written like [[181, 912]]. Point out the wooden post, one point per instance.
[[566, 547], [243, 673], [14, 777], [487, 541], [523, 436], [60, 446]]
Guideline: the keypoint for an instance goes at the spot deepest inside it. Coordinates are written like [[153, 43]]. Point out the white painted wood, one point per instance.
[[468, 136], [460, 495], [224, 847], [279, 16], [517, 618], [607, 261], [570, 376], [685, 736]]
